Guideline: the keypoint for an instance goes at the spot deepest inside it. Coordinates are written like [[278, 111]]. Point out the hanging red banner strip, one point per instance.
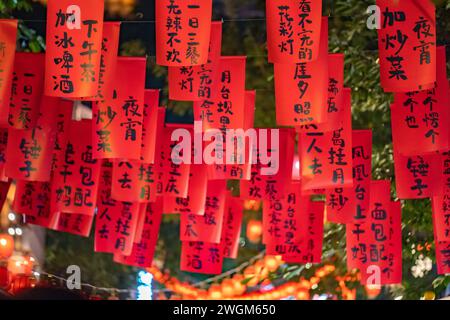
[[73, 47], [183, 29], [29, 154], [32, 198], [3, 149], [76, 179], [418, 177], [232, 224], [4, 189], [226, 111], [309, 249], [293, 30], [208, 227], [117, 129], [77, 224], [407, 45], [193, 83], [301, 89], [201, 257], [392, 267], [144, 250], [154, 117], [27, 89], [420, 119], [344, 205], [336, 103], [8, 34], [194, 203]]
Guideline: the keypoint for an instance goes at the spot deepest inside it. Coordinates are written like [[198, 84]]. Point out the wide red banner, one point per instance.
[[301, 88], [407, 45], [183, 29], [117, 128], [201, 257], [293, 30], [73, 47]]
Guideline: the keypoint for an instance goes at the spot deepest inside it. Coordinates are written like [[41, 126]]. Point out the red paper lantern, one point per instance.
[[6, 246]]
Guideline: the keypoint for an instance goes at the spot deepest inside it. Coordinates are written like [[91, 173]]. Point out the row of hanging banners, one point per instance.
[[118, 166]]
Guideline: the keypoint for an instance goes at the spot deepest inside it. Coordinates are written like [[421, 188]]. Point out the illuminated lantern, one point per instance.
[[19, 283], [372, 291], [271, 263], [239, 288], [6, 246], [429, 295], [302, 295], [254, 230], [227, 288], [215, 292], [16, 265]]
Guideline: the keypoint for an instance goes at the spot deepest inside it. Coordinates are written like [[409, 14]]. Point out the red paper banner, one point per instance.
[[420, 119], [143, 251], [344, 205], [4, 189], [418, 177], [27, 89], [76, 179], [407, 45], [443, 257], [208, 227], [231, 229], [193, 83], [301, 89], [3, 149], [272, 184], [174, 180], [118, 120], [29, 154], [183, 30], [392, 268], [74, 44], [226, 111], [293, 30], [154, 117], [133, 181], [8, 36], [309, 249], [367, 237], [194, 203], [441, 215], [201, 257], [78, 224], [337, 103]]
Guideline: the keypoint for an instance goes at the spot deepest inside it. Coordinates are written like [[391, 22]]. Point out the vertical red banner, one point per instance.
[[143, 251], [208, 227], [8, 36], [301, 88], [117, 129], [74, 45], [420, 119], [337, 105], [76, 179], [183, 29], [226, 111], [3, 149], [232, 223], [392, 267], [27, 90], [29, 154], [407, 45], [193, 83], [78, 224], [201, 257], [293, 30], [154, 118], [418, 177]]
